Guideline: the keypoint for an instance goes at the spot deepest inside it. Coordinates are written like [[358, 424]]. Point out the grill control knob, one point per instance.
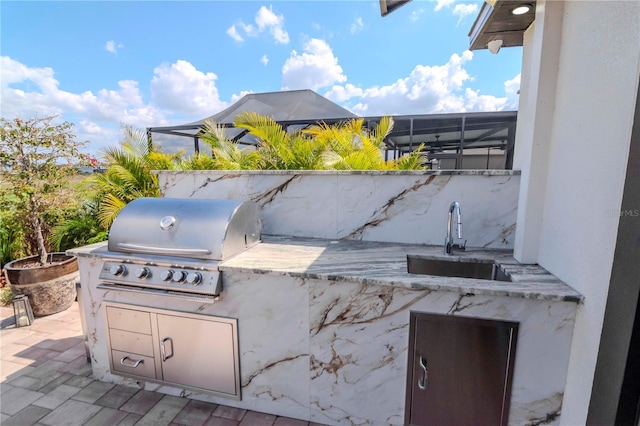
[[194, 278], [143, 272], [178, 277], [166, 275], [117, 270]]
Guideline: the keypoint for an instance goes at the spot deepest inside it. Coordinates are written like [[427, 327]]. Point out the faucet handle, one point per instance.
[[460, 247]]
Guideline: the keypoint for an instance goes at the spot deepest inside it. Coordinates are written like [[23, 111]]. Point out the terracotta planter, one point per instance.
[[51, 288]]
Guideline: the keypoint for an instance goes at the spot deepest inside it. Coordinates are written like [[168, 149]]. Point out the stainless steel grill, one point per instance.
[[174, 246]]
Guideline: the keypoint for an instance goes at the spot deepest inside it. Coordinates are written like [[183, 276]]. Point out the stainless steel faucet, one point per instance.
[[448, 242]]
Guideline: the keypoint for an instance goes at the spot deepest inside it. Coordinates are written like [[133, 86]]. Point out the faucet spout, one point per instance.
[[448, 242]]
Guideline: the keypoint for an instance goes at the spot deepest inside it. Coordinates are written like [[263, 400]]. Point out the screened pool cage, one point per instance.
[[475, 140]]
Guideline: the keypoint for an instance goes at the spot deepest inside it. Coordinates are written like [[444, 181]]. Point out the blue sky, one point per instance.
[[155, 63]]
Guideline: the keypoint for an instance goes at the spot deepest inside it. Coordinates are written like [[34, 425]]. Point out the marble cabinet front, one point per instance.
[[335, 352]]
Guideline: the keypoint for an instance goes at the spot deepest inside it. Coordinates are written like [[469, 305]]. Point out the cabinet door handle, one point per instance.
[[163, 350], [135, 363], [422, 381]]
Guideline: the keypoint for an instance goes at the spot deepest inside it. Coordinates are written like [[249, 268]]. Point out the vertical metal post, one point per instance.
[[149, 141], [411, 134], [461, 150], [196, 146], [511, 139]]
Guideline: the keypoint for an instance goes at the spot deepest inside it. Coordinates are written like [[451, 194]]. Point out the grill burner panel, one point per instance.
[[168, 277]]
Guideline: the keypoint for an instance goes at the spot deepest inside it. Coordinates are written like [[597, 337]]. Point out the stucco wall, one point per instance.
[[588, 146]]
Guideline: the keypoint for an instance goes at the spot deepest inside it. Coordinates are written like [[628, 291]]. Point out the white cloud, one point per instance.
[[249, 29], [356, 26], [442, 4], [265, 20], [90, 127], [317, 67], [463, 10], [343, 93], [233, 33], [124, 104], [264, 60], [112, 46], [177, 88], [477, 102], [512, 89], [236, 97], [180, 87], [427, 90], [415, 15]]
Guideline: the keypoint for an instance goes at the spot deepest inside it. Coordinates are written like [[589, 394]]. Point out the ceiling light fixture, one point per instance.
[[521, 10]]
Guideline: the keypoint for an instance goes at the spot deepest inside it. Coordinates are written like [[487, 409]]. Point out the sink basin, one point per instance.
[[454, 268]]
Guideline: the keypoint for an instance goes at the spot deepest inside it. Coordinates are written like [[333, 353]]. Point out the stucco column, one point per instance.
[[541, 55]]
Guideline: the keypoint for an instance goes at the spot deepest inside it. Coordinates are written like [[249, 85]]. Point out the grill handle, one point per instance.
[[162, 250]]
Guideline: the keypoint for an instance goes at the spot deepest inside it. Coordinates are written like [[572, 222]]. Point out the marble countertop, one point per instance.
[[381, 263], [385, 264]]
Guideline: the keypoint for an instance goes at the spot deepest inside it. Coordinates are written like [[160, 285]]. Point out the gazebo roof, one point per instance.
[[295, 107]]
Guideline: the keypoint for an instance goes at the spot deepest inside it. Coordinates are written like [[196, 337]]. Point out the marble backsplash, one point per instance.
[[405, 207]]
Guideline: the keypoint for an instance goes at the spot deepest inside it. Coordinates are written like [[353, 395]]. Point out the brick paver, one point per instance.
[[163, 412], [195, 413], [116, 396], [221, 421], [130, 420], [142, 402], [18, 398], [57, 397], [27, 416], [94, 391], [71, 413], [107, 416], [286, 421], [253, 418], [231, 413]]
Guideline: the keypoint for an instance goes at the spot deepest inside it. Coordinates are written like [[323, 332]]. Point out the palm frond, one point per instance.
[[213, 134], [381, 131], [110, 206], [135, 141], [415, 160]]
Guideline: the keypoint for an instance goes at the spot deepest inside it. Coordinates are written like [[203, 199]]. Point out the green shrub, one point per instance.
[[79, 229], [6, 296]]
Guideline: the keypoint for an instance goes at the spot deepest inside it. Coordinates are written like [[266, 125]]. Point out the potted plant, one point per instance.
[[37, 159]]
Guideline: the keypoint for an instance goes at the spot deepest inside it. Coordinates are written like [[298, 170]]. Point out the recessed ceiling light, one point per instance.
[[521, 10]]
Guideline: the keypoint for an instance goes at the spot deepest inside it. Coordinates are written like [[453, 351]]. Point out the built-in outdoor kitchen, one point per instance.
[[331, 297]]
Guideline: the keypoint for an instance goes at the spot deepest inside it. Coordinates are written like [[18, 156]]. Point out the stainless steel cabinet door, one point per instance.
[[459, 370], [198, 353]]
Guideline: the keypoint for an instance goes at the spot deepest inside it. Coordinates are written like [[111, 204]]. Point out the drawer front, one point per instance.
[[139, 365], [127, 341], [129, 320]]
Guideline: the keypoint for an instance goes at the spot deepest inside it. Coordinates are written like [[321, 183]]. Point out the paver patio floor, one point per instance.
[[45, 379]]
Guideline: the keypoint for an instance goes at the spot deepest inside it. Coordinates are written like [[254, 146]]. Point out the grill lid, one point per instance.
[[200, 229]]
